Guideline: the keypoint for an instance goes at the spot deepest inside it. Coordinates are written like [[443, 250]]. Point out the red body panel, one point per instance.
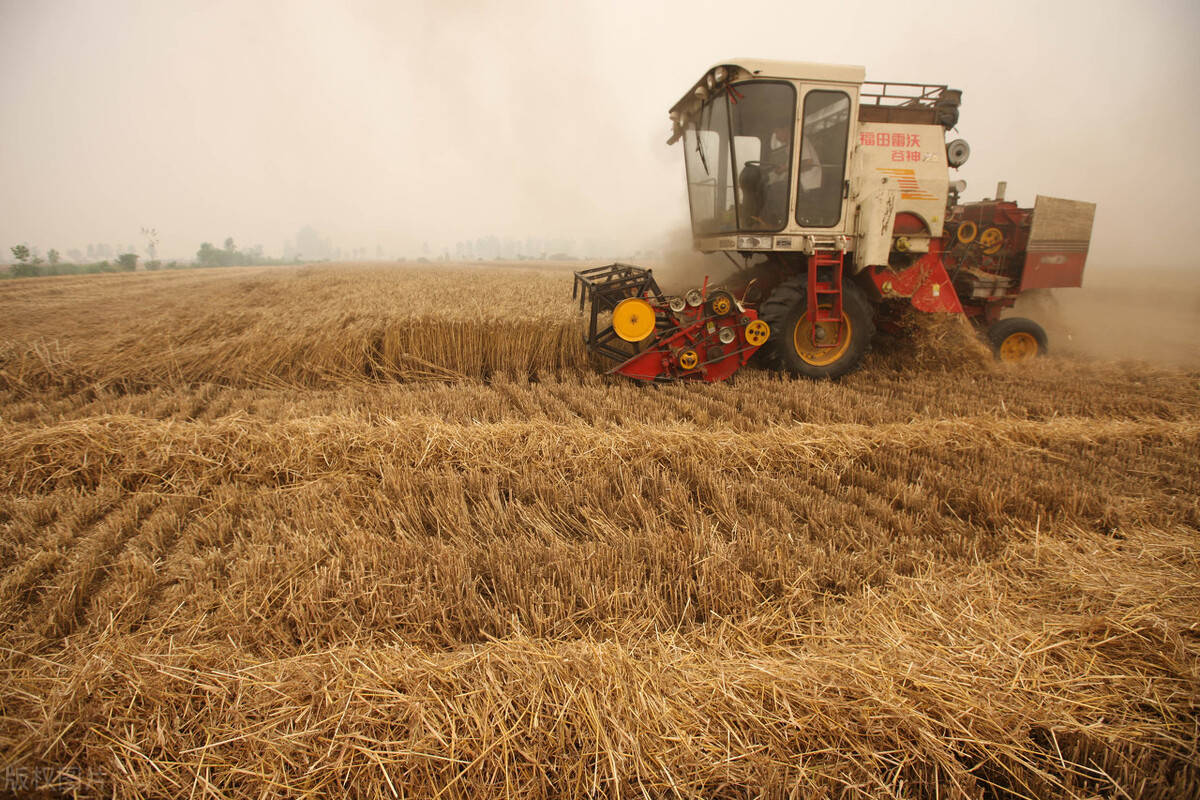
[[1053, 269], [925, 282]]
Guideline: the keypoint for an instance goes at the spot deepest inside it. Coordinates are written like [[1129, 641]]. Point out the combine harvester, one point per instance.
[[835, 194]]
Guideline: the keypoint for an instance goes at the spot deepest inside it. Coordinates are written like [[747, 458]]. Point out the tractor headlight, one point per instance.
[[719, 74], [957, 153], [708, 80]]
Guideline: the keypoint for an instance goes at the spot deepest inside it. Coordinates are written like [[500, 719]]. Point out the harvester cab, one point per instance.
[[833, 195]]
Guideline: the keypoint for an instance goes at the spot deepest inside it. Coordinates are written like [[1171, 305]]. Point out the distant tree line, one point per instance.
[[231, 256], [27, 263]]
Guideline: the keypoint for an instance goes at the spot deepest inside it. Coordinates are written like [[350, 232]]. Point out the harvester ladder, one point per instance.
[[825, 294]]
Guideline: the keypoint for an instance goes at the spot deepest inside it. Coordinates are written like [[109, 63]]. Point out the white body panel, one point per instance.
[[896, 169]]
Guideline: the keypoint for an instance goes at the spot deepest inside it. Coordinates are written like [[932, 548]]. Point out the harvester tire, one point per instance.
[[1017, 339], [786, 311]]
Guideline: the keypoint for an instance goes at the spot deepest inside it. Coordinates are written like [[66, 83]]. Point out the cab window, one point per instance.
[[823, 137], [764, 114]]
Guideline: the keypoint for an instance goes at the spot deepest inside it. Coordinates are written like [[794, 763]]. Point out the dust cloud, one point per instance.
[[1148, 315], [678, 267]]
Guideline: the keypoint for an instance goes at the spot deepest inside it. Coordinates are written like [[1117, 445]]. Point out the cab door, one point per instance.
[[826, 125]]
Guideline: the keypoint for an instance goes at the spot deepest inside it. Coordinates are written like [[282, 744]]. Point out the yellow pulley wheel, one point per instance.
[[966, 232], [633, 319], [991, 240], [720, 304], [757, 332], [688, 359]]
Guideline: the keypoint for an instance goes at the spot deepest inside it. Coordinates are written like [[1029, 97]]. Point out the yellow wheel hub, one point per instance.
[[721, 305], [824, 333], [757, 332], [1018, 346], [688, 359], [966, 232], [633, 319]]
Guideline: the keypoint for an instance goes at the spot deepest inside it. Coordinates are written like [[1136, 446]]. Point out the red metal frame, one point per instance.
[[692, 329]]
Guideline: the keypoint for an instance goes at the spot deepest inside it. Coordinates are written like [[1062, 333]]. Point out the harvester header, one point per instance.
[[833, 195], [700, 335]]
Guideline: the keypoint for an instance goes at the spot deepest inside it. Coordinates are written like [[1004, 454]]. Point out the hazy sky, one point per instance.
[[393, 123]]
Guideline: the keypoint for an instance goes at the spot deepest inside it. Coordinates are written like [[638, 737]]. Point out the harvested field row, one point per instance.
[[963, 681], [86, 452], [882, 392], [549, 531]]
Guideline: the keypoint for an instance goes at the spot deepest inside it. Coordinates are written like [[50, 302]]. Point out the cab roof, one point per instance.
[[741, 69], [891, 101], [798, 70]]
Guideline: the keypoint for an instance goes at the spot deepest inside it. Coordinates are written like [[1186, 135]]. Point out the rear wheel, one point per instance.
[[1017, 339], [816, 349]]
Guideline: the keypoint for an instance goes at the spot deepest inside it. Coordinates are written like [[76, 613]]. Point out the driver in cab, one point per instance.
[[775, 181]]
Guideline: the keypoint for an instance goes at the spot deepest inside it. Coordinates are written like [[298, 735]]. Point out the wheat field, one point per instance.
[[385, 532]]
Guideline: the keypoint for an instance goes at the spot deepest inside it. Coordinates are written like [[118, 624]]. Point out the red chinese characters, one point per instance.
[[873, 139]]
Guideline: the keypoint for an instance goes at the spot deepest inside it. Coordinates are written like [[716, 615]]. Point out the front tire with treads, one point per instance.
[[791, 345]]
